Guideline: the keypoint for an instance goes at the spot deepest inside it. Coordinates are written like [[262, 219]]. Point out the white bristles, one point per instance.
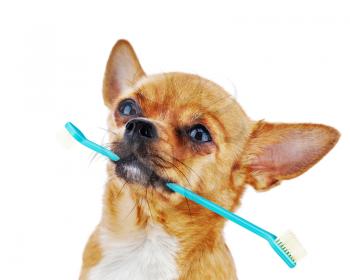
[[293, 245]]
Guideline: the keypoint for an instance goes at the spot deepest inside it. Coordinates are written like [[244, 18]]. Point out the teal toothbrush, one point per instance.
[[286, 246], [80, 137]]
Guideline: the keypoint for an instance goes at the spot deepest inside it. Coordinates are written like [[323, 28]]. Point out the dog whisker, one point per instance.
[[189, 208], [132, 210], [149, 208], [120, 191], [177, 168], [179, 161], [94, 157], [187, 203], [108, 130]]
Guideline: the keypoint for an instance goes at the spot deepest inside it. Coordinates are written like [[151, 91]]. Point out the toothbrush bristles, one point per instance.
[[291, 246]]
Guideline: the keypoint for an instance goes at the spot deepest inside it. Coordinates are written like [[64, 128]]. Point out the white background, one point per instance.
[[288, 60]]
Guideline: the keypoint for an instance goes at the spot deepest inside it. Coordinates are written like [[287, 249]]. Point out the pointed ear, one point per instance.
[[122, 71], [283, 151]]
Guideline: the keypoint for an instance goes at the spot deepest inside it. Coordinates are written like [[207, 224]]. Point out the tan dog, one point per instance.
[[185, 129]]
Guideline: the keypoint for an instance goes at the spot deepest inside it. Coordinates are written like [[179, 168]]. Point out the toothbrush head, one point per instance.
[[288, 247], [75, 132], [80, 137]]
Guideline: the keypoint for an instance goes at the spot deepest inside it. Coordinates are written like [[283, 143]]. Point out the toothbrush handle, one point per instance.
[[221, 211], [99, 149], [81, 138]]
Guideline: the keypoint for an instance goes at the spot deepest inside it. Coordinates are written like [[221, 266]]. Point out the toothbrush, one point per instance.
[[80, 137], [286, 246]]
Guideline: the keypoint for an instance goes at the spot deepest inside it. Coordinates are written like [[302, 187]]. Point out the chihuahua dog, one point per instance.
[[182, 128]]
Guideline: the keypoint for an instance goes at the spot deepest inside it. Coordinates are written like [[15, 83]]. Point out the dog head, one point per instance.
[[181, 128]]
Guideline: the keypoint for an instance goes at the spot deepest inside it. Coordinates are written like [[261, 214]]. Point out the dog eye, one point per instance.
[[128, 108], [199, 134]]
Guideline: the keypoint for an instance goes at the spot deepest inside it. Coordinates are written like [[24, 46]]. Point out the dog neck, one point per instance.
[[179, 239]]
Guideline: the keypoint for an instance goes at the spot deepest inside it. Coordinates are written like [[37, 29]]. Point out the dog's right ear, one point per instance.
[[122, 71], [279, 151]]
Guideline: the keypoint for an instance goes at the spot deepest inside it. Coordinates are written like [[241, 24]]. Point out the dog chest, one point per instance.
[[146, 255]]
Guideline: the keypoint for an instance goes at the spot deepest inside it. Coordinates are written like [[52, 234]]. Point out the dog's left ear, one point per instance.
[[122, 71], [275, 152]]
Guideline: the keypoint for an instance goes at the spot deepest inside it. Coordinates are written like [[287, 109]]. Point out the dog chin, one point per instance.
[[133, 171]]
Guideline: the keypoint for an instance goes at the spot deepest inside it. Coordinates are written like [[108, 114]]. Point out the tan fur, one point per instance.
[[240, 154]]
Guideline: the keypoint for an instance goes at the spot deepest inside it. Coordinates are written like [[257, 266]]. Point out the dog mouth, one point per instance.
[[133, 170]]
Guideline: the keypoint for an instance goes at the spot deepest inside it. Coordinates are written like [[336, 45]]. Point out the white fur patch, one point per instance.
[[133, 173], [146, 255]]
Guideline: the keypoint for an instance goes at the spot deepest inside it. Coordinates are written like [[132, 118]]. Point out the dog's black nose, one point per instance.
[[140, 129]]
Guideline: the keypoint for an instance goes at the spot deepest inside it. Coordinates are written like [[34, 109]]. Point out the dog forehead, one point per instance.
[[180, 92]]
